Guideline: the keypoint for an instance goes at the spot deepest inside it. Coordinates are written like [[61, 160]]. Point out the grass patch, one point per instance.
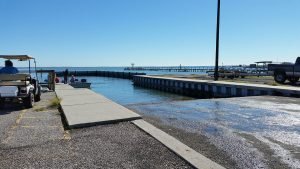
[[40, 109], [54, 103], [274, 84]]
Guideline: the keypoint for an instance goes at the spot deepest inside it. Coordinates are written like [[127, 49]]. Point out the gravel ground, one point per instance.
[[34, 138], [8, 116]]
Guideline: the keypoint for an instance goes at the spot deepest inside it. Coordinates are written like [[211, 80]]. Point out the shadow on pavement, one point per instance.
[[8, 108]]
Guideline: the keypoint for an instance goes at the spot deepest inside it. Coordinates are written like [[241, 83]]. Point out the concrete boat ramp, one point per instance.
[[83, 107]]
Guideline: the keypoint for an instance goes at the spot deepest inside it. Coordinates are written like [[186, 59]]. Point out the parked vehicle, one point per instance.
[[285, 71], [19, 87], [230, 74]]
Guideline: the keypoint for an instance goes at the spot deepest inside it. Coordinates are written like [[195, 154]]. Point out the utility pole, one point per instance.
[[216, 75]]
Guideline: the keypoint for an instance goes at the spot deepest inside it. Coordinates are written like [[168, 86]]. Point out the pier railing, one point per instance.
[[123, 75]]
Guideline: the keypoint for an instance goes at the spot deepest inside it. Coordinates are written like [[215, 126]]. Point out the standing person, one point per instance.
[[66, 73], [9, 68]]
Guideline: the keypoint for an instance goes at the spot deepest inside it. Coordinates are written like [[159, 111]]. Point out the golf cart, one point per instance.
[[19, 87]]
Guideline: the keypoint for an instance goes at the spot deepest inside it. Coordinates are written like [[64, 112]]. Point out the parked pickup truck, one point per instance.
[[285, 71]]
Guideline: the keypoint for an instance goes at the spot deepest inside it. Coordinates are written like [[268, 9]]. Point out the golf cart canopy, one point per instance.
[[21, 58], [16, 57]]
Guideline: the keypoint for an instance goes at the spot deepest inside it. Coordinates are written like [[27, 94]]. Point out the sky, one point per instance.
[[149, 32]]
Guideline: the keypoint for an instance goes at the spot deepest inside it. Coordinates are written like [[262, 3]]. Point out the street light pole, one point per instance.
[[216, 75]]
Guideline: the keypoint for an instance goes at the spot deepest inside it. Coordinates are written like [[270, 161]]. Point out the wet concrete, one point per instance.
[[253, 132], [248, 132]]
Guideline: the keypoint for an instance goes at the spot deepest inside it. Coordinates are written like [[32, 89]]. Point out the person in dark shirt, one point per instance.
[[72, 80], [9, 68], [66, 73]]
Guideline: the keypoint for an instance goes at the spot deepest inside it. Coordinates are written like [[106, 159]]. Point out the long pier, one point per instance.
[[206, 69], [210, 89], [171, 68], [123, 75]]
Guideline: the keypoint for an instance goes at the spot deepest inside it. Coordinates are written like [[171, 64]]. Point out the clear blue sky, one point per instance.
[[149, 32]]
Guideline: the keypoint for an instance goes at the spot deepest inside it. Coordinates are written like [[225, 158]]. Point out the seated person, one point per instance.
[[57, 80], [9, 68], [72, 79]]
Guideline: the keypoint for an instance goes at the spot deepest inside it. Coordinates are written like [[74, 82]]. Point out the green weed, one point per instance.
[[40, 109], [54, 103]]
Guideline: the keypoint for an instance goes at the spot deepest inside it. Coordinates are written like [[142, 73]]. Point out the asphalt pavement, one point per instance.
[[36, 138]]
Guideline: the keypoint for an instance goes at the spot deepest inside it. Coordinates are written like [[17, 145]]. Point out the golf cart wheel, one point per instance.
[[280, 77], [230, 77], [38, 96], [293, 79], [29, 101], [1, 104]]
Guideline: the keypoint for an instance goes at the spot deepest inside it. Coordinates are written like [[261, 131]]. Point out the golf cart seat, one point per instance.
[[14, 79]]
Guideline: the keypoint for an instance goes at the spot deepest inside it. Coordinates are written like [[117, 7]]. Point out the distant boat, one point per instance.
[[82, 84]]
